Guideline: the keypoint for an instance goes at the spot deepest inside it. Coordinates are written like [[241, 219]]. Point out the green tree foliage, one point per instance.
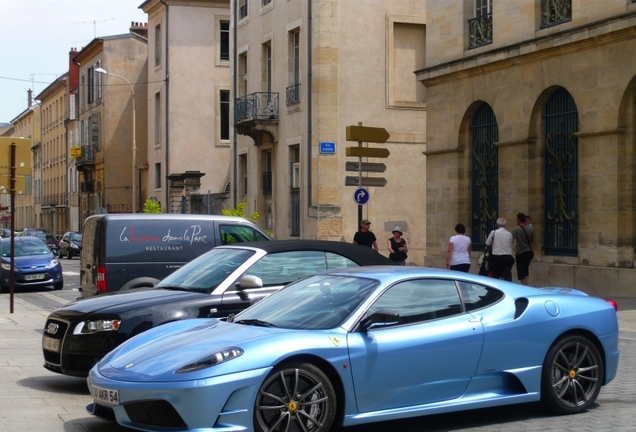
[[239, 211], [151, 206]]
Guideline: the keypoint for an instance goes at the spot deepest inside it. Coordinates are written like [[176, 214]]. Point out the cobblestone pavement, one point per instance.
[[33, 399]]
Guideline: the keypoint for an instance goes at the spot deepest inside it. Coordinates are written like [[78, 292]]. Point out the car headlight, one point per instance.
[[54, 262], [74, 246], [7, 267], [96, 326], [213, 359]]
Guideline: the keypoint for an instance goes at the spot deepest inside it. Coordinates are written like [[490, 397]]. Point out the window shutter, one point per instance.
[[95, 130]]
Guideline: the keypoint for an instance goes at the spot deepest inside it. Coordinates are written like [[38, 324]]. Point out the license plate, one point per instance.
[[34, 276], [51, 344], [107, 396]]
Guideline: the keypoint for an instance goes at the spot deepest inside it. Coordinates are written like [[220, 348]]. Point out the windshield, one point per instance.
[[25, 247], [314, 303], [75, 237], [206, 272]]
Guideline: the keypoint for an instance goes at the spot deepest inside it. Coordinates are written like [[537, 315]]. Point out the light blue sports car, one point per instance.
[[363, 345]]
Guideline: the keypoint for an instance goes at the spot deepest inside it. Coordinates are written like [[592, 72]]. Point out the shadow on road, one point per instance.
[[61, 384]]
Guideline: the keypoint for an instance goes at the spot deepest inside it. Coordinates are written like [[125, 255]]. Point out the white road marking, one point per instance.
[[70, 273]]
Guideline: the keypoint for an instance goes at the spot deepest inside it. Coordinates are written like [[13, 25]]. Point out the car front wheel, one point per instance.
[[572, 375], [295, 397]]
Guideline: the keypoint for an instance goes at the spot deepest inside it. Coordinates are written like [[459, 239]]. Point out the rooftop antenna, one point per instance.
[[94, 22]]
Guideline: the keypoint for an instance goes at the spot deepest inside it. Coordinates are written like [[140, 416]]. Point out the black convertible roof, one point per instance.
[[362, 255]]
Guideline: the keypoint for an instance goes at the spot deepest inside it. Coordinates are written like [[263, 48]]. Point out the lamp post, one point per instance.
[[134, 131]]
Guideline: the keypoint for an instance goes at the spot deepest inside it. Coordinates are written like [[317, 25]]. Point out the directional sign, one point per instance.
[[366, 181], [367, 134], [368, 152], [365, 166], [361, 196]]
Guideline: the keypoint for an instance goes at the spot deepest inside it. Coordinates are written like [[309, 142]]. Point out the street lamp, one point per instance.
[[134, 131]]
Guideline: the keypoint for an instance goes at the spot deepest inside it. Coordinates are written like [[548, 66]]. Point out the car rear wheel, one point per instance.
[[572, 375], [295, 397]]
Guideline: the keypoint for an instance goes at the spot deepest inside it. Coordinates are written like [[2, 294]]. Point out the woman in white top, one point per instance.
[[459, 248]]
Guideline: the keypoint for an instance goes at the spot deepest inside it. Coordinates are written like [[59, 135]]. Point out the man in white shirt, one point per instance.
[[500, 242]]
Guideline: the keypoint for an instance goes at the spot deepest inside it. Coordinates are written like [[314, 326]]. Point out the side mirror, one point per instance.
[[380, 318], [248, 281]]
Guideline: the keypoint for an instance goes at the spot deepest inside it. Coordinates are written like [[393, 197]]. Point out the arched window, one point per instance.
[[561, 218], [485, 175]]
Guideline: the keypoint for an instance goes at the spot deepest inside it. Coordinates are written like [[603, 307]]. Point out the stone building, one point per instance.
[[188, 104], [112, 122], [531, 109], [304, 71]]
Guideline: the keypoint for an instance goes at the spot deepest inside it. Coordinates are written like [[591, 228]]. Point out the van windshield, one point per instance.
[[206, 272]]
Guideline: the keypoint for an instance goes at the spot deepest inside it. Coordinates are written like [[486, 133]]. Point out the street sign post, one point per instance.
[[366, 181], [367, 134], [361, 196], [365, 166]]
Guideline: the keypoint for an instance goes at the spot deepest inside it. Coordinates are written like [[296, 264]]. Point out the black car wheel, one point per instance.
[[295, 397], [572, 375], [58, 286], [69, 254]]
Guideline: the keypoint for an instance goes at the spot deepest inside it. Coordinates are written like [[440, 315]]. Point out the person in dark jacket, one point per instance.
[[365, 237]]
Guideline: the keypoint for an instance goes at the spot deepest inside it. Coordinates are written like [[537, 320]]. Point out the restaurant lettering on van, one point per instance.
[[190, 236]]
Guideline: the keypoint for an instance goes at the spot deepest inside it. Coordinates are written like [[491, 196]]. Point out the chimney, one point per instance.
[[29, 98], [73, 70], [139, 28]]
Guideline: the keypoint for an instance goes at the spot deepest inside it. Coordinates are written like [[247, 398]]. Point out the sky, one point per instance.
[[37, 35]]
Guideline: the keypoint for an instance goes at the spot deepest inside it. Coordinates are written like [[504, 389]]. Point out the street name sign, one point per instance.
[[327, 147], [366, 181], [365, 166]]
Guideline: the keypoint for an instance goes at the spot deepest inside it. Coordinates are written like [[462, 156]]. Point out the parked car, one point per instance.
[[49, 240], [35, 265], [364, 345], [32, 231], [5, 233], [225, 280], [124, 251], [70, 244]]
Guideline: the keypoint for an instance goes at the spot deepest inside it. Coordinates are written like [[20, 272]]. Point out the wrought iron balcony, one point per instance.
[[555, 12], [480, 31], [293, 95], [88, 155], [261, 106]]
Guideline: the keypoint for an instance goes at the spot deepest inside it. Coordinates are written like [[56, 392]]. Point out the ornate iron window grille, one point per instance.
[[293, 95], [561, 218], [480, 31], [485, 175], [554, 12], [256, 106], [88, 154]]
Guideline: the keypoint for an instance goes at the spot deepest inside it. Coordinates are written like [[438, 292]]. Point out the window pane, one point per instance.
[[282, 268], [225, 114]]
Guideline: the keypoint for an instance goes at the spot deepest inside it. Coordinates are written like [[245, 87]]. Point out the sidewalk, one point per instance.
[[32, 399]]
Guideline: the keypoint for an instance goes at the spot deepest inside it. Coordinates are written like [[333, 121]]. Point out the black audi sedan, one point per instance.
[[223, 281]]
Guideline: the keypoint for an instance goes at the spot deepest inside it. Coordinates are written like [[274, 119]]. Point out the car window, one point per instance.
[[284, 267], [478, 296], [239, 233], [420, 300], [75, 237], [335, 261], [206, 272]]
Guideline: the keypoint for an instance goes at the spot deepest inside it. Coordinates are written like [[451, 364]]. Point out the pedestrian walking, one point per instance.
[[397, 247], [364, 236], [459, 248], [500, 242], [523, 236]]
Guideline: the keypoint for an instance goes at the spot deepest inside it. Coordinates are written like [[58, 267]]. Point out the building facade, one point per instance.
[[531, 109], [112, 123], [304, 71], [188, 167]]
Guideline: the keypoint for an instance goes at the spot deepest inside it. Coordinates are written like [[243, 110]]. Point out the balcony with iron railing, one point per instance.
[[255, 115], [88, 155], [480, 31], [554, 12]]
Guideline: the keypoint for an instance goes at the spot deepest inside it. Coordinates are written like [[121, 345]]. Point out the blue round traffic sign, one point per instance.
[[361, 196]]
